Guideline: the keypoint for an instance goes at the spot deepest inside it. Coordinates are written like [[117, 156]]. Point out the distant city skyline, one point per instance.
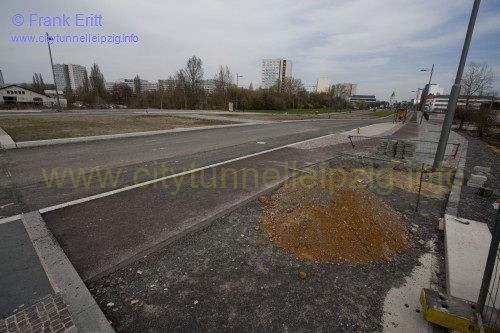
[[381, 45]]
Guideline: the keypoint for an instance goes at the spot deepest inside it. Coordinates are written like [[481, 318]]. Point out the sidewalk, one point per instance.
[[41, 291], [397, 316]]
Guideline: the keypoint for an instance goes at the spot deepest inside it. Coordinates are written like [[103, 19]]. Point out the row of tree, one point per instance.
[[185, 90]]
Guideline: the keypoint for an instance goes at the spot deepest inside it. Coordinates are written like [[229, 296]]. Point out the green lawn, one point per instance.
[[382, 113]]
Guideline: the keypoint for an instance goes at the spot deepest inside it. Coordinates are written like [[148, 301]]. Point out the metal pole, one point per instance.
[[53, 73], [237, 85], [427, 93], [455, 91], [420, 187], [490, 265]]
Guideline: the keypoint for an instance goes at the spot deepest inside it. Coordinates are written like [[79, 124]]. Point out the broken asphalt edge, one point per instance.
[[199, 226]]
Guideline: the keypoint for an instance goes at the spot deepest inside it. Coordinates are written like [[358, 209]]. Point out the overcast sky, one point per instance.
[[380, 45]]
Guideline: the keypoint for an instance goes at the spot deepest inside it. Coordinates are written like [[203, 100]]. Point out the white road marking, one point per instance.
[[10, 219]]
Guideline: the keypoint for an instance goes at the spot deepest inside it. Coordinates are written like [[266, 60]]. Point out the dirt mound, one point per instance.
[[349, 225]]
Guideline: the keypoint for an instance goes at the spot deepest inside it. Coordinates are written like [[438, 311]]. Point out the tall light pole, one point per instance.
[[237, 85], [426, 90], [53, 72], [237, 77], [455, 91]]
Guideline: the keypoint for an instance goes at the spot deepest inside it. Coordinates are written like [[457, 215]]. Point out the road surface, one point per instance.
[[28, 177]]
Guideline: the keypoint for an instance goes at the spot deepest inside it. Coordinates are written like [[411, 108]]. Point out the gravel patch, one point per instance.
[[473, 206], [231, 277]]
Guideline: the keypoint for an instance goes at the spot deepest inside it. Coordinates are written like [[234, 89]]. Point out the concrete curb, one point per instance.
[[6, 141], [38, 143], [86, 314], [454, 197], [451, 210]]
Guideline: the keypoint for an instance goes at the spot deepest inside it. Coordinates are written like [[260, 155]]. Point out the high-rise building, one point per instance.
[[350, 88], [146, 86], [323, 85], [275, 71], [1, 78], [69, 77]]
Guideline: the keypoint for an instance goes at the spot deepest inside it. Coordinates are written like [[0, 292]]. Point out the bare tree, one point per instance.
[[286, 92], [340, 90], [292, 86], [121, 93], [476, 80], [193, 74], [137, 85], [223, 79], [38, 84], [181, 87], [97, 81]]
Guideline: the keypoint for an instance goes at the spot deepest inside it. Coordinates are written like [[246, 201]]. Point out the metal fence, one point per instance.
[[422, 147], [488, 304]]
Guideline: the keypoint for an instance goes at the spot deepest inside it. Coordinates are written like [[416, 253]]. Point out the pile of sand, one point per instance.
[[349, 225]]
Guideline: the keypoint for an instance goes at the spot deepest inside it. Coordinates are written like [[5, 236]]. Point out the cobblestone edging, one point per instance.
[[48, 315]]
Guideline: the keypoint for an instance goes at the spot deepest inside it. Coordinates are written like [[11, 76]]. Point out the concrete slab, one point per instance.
[[467, 247], [84, 311], [401, 304], [374, 130], [22, 278], [6, 141]]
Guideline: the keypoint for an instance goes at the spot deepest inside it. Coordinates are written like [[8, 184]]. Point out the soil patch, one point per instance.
[[350, 225], [434, 185]]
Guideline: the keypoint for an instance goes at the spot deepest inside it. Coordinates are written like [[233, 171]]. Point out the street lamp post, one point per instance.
[[452, 103], [237, 77], [53, 72], [237, 85], [426, 91]]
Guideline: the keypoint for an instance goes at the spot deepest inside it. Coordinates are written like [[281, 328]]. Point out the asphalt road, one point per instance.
[[25, 173]]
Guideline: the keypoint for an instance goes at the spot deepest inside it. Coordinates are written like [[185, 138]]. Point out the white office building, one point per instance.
[[323, 85], [146, 86], [69, 77], [440, 103], [274, 71]]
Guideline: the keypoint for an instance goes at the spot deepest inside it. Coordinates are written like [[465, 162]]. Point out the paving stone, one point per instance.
[[48, 315], [483, 171], [476, 181]]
